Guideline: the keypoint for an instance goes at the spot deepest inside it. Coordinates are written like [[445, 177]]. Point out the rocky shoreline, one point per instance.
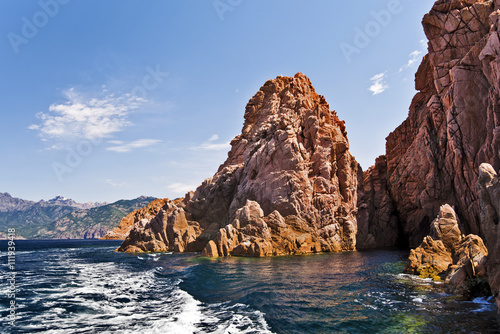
[[291, 186], [287, 187]]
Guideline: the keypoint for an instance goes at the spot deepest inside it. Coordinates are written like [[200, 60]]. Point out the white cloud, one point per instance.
[[55, 147], [82, 117], [116, 184], [180, 188], [127, 147], [379, 85], [415, 56], [211, 146]]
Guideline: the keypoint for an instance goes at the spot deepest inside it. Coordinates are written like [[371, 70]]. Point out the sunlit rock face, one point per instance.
[[453, 126], [127, 223], [288, 186], [446, 254]]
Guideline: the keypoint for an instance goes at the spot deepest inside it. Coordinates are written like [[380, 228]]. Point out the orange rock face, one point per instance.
[[288, 185], [446, 254], [127, 223], [453, 126]]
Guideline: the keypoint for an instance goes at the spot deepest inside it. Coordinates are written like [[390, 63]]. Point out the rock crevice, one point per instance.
[[453, 126]]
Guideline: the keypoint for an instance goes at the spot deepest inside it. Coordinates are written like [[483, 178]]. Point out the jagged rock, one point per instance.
[[288, 185], [452, 127], [489, 192], [127, 223], [445, 228], [170, 230], [447, 255], [430, 259]]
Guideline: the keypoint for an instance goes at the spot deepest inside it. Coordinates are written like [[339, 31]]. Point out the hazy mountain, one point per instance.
[[9, 203], [60, 200], [63, 218], [91, 223]]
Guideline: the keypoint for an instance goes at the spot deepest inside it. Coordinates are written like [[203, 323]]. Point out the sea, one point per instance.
[[84, 286]]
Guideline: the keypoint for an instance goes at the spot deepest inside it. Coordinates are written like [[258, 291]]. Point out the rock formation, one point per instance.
[[376, 205], [288, 185], [127, 223], [453, 126], [489, 193], [446, 254]]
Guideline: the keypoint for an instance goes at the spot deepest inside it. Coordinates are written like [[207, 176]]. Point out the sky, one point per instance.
[[108, 100]]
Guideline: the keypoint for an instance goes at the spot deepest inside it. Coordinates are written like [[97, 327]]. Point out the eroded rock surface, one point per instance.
[[489, 192], [453, 126], [127, 223], [288, 185], [447, 255], [376, 205]]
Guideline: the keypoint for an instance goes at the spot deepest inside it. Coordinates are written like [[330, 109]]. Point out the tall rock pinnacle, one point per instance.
[[288, 185]]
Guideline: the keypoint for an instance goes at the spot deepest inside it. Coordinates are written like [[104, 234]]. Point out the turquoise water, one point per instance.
[[85, 287]]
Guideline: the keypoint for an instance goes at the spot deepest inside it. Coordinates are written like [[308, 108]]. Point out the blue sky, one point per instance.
[[103, 100]]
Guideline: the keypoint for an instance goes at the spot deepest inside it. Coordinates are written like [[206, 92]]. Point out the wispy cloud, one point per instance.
[[379, 85], [123, 147], [180, 188], [415, 56], [83, 117], [116, 184], [211, 145], [213, 138]]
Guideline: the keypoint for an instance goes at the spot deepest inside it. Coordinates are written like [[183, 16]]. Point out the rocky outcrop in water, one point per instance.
[[446, 254], [489, 193], [288, 185], [453, 126], [127, 223]]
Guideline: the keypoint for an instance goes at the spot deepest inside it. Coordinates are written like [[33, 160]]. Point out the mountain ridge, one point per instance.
[[58, 217]]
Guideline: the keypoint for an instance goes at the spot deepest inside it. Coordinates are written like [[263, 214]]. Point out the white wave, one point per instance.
[[112, 298], [241, 319], [485, 304], [185, 320], [418, 279]]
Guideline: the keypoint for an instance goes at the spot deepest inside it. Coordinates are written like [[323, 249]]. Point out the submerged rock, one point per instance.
[[288, 185]]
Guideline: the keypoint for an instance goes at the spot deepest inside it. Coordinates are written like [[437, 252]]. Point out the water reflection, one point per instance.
[[354, 292]]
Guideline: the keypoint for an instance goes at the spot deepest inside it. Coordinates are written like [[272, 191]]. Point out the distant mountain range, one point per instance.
[[62, 218], [10, 204]]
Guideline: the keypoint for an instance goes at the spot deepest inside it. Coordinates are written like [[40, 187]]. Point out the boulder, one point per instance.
[[447, 255]]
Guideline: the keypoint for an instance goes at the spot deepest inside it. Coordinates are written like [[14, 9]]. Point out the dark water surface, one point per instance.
[[81, 286]]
